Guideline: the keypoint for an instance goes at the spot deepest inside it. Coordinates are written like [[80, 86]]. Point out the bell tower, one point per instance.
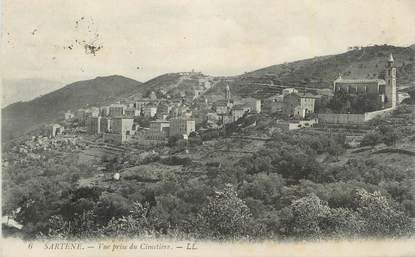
[[228, 93], [390, 79]]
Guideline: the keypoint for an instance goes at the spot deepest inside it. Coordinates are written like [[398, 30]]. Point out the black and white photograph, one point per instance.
[[207, 128]]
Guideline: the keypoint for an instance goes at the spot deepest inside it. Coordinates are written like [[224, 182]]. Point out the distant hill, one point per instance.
[[171, 83], [21, 117], [16, 90], [319, 72]]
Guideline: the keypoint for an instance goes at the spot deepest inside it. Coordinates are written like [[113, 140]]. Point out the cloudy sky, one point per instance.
[[142, 39]]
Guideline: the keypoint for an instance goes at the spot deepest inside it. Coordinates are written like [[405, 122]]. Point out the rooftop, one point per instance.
[[123, 117], [240, 106], [359, 81], [304, 95], [160, 121], [221, 103]]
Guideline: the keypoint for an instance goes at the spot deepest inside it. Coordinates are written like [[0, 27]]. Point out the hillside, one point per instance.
[[21, 117], [172, 84], [319, 72]]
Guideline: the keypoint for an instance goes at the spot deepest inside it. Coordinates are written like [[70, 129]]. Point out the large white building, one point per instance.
[[121, 129], [182, 126], [159, 130]]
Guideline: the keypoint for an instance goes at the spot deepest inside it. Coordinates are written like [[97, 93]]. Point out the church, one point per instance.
[[383, 89]]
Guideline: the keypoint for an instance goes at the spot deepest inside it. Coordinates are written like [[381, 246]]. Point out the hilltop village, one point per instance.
[[203, 162], [153, 119]]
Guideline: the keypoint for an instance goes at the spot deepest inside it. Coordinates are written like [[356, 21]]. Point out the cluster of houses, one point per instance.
[[118, 122]]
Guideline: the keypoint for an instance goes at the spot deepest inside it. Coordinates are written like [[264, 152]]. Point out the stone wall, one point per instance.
[[341, 118], [351, 118], [371, 115]]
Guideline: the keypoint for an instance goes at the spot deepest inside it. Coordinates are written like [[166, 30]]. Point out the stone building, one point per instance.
[[122, 125], [298, 105], [131, 112], [239, 110], [149, 110], [222, 106], [163, 109], [94, 125], [382, 89], [116, 110], [105, 124], [159, 130], [121, 130], [254, 104], [55, 130], [104, 111], [287, 91], [140, 103], [182, 126]]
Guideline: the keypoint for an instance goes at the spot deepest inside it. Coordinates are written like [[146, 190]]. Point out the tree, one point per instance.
[[303, 218], [266, 188], [134, 224], [335, 149], [172, 141], [340, 103], [371, 139], [341, 222], [382, 216], [226, 215], [390, 134]]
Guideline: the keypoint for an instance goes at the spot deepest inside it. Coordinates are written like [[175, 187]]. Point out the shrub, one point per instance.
[[226, 215]]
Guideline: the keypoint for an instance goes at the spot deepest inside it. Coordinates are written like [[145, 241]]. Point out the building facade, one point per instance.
[[131, 112], [149, 111], [94, 125], [122, 125], [298, 105], [238, 111], [117, 110], [159, 130], [182, 126], [105, 124], [382, 89], [287, 91]]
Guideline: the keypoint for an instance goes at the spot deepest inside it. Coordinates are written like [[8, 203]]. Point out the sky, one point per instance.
[[143, 39]]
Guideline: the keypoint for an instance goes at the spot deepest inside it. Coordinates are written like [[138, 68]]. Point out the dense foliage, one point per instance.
[[343, 102], [279, 191]]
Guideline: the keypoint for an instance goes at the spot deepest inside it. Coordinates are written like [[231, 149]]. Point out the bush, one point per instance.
[[371, 139], [303, 218], [382, 217], [226, 215]]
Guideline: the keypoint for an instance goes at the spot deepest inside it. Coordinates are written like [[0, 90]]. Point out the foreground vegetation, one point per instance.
[[281, 190]]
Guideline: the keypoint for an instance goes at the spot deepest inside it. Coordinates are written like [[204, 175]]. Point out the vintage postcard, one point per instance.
[[208, 128]]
